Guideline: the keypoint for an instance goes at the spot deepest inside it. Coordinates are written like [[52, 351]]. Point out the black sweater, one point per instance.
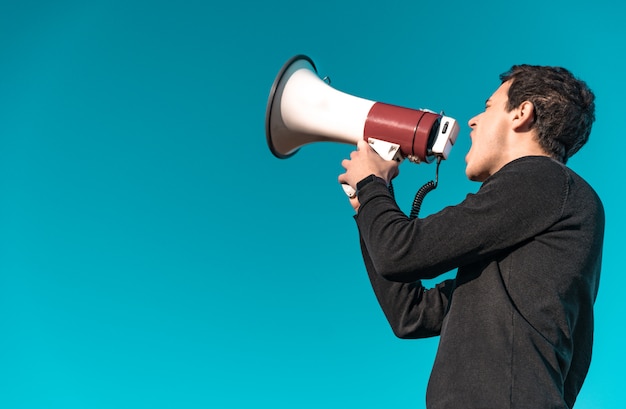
[[516, 324]]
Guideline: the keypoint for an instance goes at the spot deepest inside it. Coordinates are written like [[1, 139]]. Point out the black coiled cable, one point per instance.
[[421, 193], [419, 197]]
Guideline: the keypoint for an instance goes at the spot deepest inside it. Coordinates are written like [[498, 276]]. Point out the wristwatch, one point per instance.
[[369, 179]]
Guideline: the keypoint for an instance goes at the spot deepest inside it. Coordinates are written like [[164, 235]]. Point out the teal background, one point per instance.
[[154, 254]]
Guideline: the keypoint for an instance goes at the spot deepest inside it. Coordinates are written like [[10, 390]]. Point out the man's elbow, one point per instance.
[[410, 330], [404, 332]]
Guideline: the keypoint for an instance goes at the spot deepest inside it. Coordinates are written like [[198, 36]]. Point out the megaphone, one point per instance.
[[302, 108]]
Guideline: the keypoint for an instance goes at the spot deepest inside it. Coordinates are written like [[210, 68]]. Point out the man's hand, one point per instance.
[[364, 162]]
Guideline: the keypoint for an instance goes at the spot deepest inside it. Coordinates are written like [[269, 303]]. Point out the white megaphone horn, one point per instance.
[[302, 109]]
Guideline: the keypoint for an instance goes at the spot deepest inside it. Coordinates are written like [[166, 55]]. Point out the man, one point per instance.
[[516, 324]]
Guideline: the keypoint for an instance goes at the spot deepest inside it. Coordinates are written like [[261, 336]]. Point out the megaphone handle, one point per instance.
[[387, 150]]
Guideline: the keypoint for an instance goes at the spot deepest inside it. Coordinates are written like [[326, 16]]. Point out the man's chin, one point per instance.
[[474, 177]]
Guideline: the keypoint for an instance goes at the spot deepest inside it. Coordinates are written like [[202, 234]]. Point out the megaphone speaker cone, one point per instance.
[[272, 112]]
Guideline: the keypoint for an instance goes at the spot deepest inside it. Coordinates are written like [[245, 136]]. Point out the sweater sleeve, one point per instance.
[[412, 310], [521, 200]]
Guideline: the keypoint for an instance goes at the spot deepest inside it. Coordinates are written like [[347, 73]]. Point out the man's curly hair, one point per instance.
[[563, 105]]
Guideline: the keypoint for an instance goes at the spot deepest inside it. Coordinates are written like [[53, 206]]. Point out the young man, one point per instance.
[[516, 324]]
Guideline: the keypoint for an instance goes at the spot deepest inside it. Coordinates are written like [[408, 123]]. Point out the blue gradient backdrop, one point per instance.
[[154, 254]]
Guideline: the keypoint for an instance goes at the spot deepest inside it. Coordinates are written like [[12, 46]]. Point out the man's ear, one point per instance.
[[524, 117]]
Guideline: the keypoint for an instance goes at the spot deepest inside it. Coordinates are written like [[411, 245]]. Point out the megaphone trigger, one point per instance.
[[386, 150]]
